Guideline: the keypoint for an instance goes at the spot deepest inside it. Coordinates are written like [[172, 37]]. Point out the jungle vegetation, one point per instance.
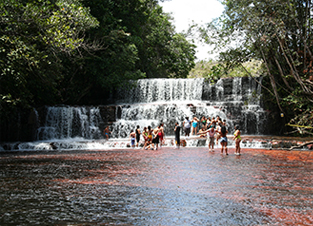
[[77, 52], [277, 33]]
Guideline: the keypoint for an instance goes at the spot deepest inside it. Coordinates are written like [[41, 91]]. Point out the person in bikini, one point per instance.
[[148, 138], [223, 134], [213, 123], [204, 122], [237, 139]]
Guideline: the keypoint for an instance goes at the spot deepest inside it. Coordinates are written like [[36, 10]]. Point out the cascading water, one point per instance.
[[69, 122], [150, 102], [153, 101]]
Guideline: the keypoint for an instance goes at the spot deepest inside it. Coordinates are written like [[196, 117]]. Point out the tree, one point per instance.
[[35, 36], [279, 33], [150, 47], [163, 53], [79, 51]]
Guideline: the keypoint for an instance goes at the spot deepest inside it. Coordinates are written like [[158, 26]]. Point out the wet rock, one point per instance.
[[201, 142], [54, 147]]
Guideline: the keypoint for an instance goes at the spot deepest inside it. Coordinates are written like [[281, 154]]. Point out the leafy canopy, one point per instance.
[[279, 33]]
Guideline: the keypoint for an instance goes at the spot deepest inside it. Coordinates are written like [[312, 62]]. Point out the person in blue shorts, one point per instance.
[[132, 138], [106, 132]]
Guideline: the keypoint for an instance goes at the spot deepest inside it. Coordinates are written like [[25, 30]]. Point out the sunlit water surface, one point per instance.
[[190, 186]]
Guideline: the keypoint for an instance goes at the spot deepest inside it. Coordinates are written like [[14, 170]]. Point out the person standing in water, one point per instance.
[[137, 135], [210, 138], [177, 135], [161, 134], [194, 127], [218, 129], [223, 134], [237, 139], [148, 138], [156, 138], [186, 125], [106, 132], [132, 138], [204, 122]]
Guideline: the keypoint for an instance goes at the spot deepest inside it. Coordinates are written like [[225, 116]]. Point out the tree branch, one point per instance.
[[301, 145]]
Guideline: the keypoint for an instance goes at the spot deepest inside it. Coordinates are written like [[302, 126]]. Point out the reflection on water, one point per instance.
[[167, 187]]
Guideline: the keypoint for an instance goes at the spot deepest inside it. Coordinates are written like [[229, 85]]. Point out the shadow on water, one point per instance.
[[165, 187]]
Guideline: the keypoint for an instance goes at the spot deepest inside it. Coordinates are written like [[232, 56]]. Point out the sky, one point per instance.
[[199, 11]]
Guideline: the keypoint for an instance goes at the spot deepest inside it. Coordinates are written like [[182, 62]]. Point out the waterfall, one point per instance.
[[70, 122], [154, 101], [161, 90]]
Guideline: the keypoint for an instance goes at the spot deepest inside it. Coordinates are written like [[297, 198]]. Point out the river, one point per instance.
[[190, 186]]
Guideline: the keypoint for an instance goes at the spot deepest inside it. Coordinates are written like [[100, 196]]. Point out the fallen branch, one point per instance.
[[301, 145], [292, 125]]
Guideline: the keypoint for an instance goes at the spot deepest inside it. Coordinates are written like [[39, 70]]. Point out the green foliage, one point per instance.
[[279, 33], [213, 71], [61, 51], [79, 51], [139, 42], [162, 52], [34, 36]]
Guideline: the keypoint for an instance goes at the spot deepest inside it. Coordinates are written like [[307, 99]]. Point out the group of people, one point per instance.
[[152, 137], [191, 126], [212, 128]]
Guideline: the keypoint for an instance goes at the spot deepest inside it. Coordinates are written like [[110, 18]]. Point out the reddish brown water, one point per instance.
[[190, 186]]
